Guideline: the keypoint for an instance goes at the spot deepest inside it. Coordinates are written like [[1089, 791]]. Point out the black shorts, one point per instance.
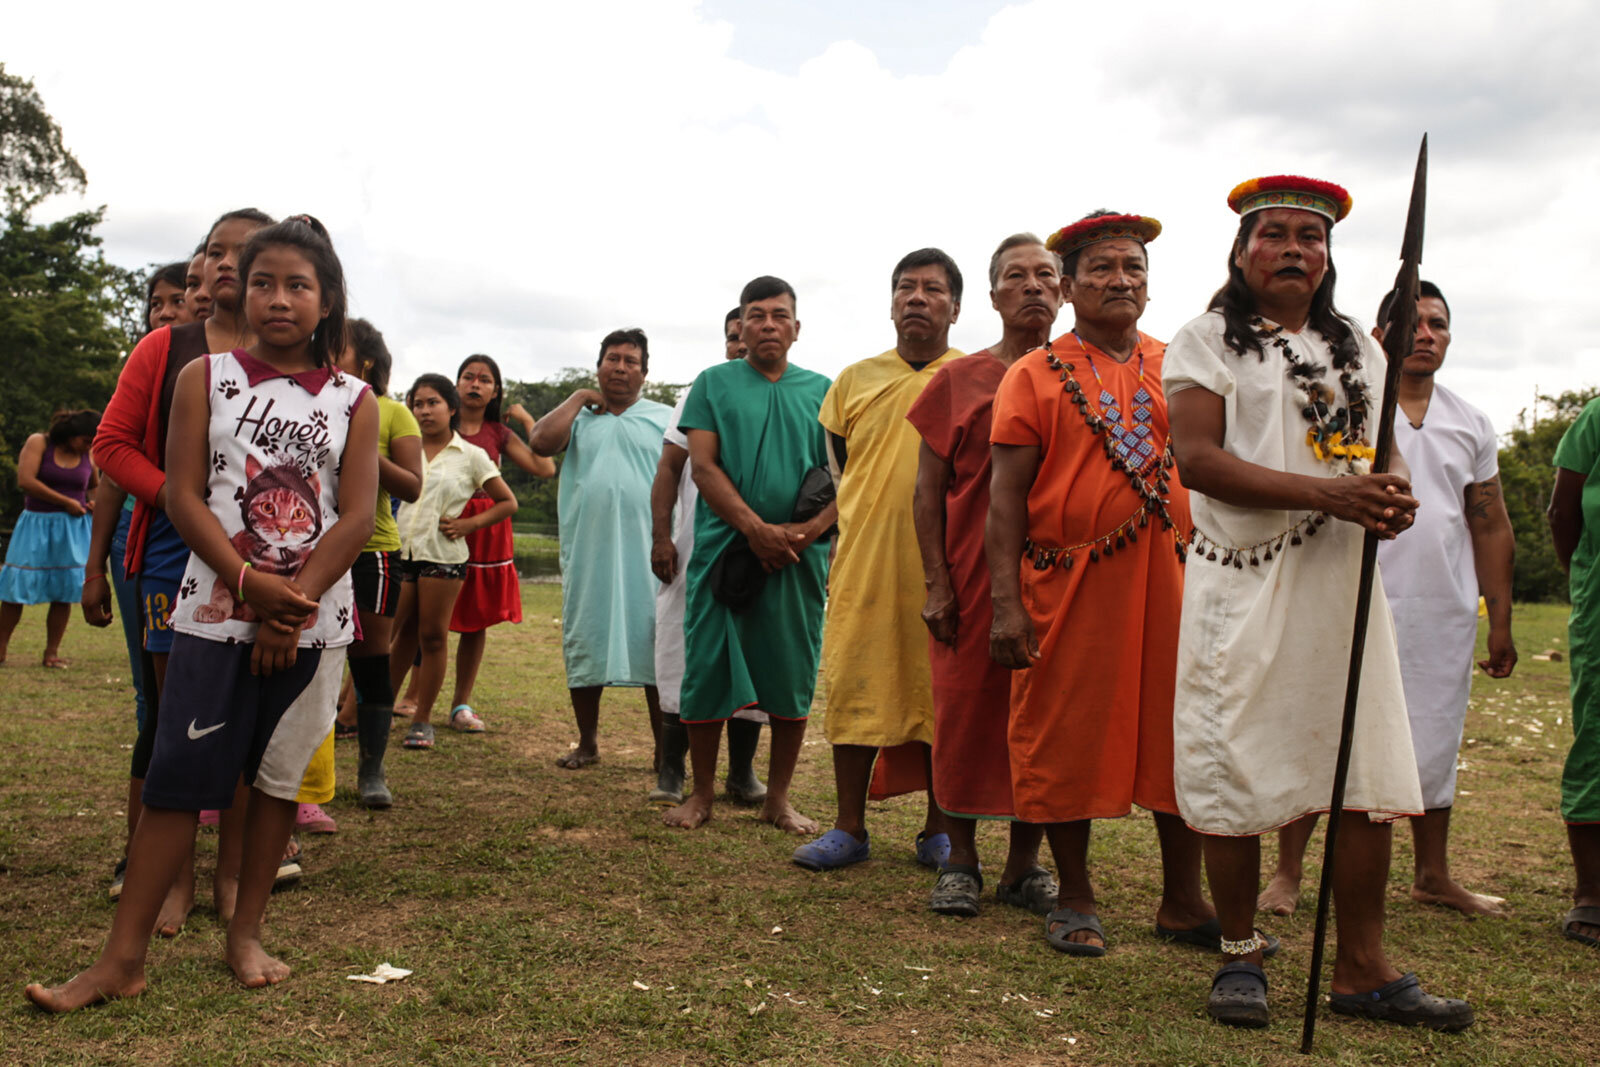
[[376, 578], [222, 721], [412, 569]]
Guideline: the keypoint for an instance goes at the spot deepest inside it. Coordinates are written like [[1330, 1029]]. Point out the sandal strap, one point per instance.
[[1239, 968]]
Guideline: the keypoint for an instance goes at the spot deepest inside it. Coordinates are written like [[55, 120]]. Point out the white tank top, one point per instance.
[[276, 449]]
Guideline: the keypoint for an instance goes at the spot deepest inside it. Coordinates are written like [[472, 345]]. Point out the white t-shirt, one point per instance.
[[1431, 580]]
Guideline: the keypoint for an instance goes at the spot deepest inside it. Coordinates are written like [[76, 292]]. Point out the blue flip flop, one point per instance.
[[933, 850], [832, 850]]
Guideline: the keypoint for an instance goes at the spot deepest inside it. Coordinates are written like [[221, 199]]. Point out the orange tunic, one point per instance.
[[1091, 723]]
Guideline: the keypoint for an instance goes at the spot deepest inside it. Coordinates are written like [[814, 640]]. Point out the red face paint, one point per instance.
[[1285, 258]]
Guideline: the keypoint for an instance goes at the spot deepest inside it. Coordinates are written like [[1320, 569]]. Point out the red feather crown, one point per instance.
[[1084, 232], [1291, 191]]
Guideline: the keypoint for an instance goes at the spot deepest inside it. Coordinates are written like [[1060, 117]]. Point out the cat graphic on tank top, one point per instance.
[[282, 520]]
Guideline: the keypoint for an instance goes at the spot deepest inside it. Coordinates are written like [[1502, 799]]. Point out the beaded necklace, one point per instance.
[[1129, 449], [1336, 436], [1336, 433]]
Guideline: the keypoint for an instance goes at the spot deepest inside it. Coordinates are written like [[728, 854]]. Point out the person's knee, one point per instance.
[[433, 641]]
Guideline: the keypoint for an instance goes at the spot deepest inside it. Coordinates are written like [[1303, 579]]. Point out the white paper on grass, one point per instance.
[[382, 974]]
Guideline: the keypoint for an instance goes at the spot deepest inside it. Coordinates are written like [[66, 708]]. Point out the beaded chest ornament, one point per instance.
[[1336, 436], [1131, 450]]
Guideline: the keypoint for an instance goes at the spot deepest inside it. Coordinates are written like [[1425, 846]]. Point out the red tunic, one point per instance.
[[971, 693], [490, 593]]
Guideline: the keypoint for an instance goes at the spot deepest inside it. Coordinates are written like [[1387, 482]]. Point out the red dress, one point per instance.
[[490, 594]]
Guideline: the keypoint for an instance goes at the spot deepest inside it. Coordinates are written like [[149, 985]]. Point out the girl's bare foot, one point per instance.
[[576, 758], [692, 813], [103, 981], [251, 964], [176, 907], [1281, 896], [781, 813]]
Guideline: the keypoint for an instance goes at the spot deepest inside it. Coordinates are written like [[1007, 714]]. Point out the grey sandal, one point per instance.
[[1582, 915], [956, 891], [1035, 891], [1239, 996], [1403, 1001], [1072, 922]]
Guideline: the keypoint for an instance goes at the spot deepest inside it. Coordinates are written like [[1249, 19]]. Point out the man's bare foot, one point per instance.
[[1281, 896], [1454, 895], [55, 663], [689, 815], [224, 894], [252, 966], [577, 758], [782, 815], [176, 908], [101, 982]]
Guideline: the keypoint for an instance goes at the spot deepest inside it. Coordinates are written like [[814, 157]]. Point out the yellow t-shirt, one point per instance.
[[394, 421]]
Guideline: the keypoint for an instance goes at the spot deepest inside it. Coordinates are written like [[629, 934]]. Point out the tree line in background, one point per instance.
[[69, 317]]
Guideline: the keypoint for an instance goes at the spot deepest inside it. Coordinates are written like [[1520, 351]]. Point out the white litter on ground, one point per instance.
[[382, 974]]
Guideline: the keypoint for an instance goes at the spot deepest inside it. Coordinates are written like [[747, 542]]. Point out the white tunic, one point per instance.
[[672, 597], [1263, 651], [1431, 580]]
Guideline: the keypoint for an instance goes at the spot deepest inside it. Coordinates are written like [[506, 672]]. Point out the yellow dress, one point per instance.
[[874, 646]]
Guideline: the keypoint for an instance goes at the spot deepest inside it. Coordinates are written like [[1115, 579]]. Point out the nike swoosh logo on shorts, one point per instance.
[[195, 735]]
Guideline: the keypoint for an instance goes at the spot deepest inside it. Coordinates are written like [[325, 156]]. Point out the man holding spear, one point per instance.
[[1273, 401]]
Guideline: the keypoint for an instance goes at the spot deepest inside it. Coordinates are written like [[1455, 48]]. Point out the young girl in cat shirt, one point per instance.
[[433, 548], [271, 472]]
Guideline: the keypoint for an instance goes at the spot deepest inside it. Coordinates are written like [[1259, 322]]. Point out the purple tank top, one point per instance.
[[68, 481]]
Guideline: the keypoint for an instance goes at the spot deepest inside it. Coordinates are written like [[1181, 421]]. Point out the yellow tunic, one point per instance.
[[874, 647]]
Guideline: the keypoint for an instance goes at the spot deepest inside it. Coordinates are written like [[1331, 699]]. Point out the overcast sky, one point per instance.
[[520, 178]]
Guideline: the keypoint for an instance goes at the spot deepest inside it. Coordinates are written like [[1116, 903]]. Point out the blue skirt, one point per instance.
[[44, 561]]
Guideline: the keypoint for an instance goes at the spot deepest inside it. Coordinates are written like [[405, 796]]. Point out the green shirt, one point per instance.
[[768, 437], [394, 421]]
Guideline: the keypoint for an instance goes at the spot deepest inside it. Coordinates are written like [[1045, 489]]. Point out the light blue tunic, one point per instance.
[[608, 608]]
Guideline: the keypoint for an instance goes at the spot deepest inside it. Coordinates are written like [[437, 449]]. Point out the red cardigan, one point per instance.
[[128, 444]]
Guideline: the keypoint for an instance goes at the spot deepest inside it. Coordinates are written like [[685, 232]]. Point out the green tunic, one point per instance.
[[1579, 451], [769, 437]]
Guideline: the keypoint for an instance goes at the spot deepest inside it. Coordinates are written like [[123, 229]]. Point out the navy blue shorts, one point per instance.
[[218, 721], [165, 559]]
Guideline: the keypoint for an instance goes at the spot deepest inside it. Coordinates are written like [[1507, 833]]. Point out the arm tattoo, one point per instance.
[[1481, 496]]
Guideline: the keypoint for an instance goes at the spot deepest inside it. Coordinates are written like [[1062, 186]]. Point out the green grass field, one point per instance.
[[550, 916]]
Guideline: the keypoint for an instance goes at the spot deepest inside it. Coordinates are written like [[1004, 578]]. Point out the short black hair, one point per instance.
[[631, 335], [764, 288], [445, 388], [372, 355], [1424, 288], [308, 236], [733, 316], [65, 425], [929, 257]]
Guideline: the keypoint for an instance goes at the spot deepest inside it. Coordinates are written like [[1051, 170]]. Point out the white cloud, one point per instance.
[[519, 180]]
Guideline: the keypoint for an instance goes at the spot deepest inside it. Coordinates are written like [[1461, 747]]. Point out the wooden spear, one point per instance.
[[1399, 333]]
